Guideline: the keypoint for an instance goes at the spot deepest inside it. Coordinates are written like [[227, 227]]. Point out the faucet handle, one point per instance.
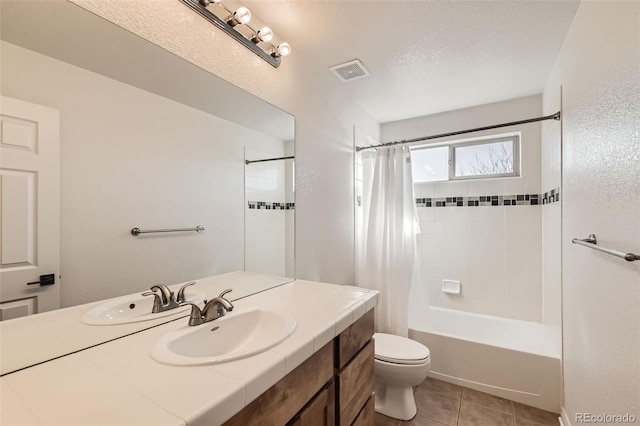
[[166, 293], [180, 298], [157, 302], [225, 292], [196, 314], [226, 304]]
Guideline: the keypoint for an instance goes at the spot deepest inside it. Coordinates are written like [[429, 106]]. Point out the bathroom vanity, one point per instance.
[[333, 386], [321, 374]]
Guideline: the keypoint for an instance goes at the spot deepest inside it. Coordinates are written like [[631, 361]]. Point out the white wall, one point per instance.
[[324, 122], [131, 158], [495, 251], [551, 160], [598, 71]]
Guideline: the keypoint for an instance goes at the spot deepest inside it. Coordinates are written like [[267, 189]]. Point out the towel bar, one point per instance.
[[592, 242], [137, 231]]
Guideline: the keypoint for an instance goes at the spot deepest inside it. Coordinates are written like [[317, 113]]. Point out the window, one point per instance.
[[480, 158]]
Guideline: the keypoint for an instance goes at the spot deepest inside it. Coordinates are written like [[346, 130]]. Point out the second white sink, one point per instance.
[[134, 308], [241, 333]]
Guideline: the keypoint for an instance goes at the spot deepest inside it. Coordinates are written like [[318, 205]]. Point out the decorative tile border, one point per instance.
[[492, 200], [552, 196], [263, 205]]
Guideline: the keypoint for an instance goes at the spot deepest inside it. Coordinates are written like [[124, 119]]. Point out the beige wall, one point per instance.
[[324, 123], [598, 71]]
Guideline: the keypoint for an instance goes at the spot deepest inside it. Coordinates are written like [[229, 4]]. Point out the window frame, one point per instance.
[[515, 144], [514, 138]]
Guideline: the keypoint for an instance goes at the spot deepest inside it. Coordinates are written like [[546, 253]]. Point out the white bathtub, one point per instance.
[[517, 360]]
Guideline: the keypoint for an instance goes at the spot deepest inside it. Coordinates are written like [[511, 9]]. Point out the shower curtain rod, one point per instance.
[[555, 116], [268, 159]]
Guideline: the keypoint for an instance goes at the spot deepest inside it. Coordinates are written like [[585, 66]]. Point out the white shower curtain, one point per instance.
[[386, 238]]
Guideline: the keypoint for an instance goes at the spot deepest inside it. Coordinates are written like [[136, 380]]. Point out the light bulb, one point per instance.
[[283, 49], [265, 34], [243, 15], [240, 16]]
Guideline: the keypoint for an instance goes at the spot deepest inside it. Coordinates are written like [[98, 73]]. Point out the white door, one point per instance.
[[29, 208]]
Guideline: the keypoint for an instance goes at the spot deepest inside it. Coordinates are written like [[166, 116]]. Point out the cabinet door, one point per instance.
[[321, 411], [367, 415], [353, 339], [355, 383]]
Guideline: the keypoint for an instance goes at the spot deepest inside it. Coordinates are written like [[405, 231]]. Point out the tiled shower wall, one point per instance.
[[269, 212], [494, 251]]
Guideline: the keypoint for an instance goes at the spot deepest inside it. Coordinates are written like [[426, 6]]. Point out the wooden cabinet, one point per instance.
[[350, 341], [354, 364], [355, 384], [321, 411], [280, 403], [332, 388], [367, 414]]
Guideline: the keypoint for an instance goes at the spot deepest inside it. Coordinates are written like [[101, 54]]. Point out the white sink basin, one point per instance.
[[241, 333], [134, 308]]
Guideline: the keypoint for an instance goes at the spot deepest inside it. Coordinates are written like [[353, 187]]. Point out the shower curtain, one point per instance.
[[387, 226]]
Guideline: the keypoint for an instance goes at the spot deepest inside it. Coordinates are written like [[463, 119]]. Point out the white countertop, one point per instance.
[[22, 340], [118, 383]]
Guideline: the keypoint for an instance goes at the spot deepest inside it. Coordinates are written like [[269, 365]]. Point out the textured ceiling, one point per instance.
[[426, 56]]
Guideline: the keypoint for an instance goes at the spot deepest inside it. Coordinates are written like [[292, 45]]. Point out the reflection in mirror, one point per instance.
[[66, 330], [146, 140], [269, 218]]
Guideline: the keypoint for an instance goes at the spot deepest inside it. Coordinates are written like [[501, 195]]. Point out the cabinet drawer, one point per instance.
[[353, 339], [319, 412], [287, 397], [356, 383], [367, 415]]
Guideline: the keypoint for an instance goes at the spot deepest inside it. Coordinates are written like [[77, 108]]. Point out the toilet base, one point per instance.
[[395, 401]]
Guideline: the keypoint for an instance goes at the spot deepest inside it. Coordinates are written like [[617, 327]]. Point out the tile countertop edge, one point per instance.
[[361, 301], [336, 308]]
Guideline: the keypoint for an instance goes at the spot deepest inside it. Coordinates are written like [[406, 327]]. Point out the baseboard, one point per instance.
[[564, 418]]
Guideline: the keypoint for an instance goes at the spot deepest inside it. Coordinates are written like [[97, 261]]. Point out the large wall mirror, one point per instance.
[[146, 140]]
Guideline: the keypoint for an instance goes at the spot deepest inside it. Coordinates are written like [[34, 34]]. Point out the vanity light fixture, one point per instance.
[[264, 34], [283, 49], [240, 16], [236, 24]]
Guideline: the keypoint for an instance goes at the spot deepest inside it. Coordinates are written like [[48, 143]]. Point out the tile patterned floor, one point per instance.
[[441, 403]]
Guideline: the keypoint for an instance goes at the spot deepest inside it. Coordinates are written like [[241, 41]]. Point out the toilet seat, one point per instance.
[[400, 350]]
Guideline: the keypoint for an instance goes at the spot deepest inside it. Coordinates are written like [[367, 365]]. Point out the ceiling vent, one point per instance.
[[350, 71]]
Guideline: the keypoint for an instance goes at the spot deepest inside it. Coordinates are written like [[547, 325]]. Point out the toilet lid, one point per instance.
[[400, 350]]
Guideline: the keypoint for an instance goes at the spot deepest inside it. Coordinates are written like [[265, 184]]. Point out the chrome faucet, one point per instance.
[[212, 310], [165, 299]]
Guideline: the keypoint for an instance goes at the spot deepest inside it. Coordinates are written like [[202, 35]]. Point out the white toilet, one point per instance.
[[400, 364]]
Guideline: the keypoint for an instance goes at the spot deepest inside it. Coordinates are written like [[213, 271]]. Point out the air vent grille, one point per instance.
[[350, 71]]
